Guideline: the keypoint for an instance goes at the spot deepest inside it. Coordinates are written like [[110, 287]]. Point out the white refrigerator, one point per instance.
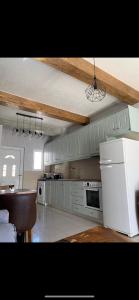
[[119, 165]]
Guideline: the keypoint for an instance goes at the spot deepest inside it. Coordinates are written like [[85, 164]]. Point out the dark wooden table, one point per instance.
[[98, 234], [21, 204]]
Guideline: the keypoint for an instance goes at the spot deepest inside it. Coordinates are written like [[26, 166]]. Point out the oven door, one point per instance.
[[92, 198]]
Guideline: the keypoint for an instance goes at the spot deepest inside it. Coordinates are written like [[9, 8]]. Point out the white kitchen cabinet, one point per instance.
[[67, 198], [72, 151], [48, 192], [77, 200], [53, 193], [47, 154], [122, 122], [57, 153], [59, 197], [96, 135], [78, 209], [77, 193], [56, 194], [118, 123], [84, 142], [94, 215]]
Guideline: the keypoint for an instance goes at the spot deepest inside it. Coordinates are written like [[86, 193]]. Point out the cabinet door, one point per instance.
[[53, 192], [121, 122], [72, 151], [47, 155], [97, 135], [133, 116], [57, 151], [117, 123], [67, 196], [84, 142], [59, 197], [50, 153], [92, 138], [48, 192]]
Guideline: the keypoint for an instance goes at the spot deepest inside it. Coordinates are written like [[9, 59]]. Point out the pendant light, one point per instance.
[[96, 91], [17, 129], [41, 129], [27, 129]]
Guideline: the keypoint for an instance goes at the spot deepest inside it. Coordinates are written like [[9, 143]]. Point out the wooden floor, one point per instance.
[[97, 234]]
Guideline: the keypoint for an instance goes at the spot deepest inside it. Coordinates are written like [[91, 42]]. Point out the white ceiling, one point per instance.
[[125, 69], [42, 83]]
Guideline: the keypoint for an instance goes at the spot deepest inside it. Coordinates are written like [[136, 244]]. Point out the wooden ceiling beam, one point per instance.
[[8, 99], [83, 70]]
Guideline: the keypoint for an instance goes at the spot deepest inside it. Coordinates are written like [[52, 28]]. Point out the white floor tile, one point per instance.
[[53, 225]]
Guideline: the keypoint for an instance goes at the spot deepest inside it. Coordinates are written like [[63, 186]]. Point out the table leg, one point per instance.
[[29, 236], [26, 237]]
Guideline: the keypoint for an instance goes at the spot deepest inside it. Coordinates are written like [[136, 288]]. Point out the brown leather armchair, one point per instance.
[[22, 210]]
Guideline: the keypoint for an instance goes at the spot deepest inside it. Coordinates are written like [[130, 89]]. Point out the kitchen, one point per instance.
[[65, 163]]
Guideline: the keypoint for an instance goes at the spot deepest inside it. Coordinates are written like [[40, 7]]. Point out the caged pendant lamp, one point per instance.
[[96, 91]]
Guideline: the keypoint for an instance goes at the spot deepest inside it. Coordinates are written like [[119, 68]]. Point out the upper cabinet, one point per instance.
[[84, 142], [82, 138]]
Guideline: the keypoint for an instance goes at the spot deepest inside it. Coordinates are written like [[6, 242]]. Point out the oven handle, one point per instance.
[[92, 189]]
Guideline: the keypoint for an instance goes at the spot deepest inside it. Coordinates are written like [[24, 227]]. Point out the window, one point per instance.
[[37, 160], [13, 170], [4, 170], [10, 156]]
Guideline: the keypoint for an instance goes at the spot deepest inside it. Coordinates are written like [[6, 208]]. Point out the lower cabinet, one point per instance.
[[60, 195], [53, 193], [67, 186], [93, 214], [48, 193], [69, 196]]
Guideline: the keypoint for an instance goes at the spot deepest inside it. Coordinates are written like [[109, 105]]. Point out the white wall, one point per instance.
[[1, 127], [29, 144]]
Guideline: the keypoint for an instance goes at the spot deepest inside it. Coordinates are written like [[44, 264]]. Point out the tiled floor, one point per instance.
[[53, 225]]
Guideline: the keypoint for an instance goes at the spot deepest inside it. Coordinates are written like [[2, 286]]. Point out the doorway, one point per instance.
[[11, 166]]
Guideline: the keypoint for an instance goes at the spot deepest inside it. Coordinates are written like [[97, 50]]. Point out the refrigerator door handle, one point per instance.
[[106, 161], [105, 167]]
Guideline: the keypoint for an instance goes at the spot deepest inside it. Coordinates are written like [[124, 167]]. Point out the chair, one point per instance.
[[22, 210], [7, 230]]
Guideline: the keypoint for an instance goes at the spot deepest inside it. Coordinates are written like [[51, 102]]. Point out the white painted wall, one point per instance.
[[1, 133], [29, 144]]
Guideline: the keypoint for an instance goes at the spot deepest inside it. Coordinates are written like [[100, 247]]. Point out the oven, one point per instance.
[[93, 195]]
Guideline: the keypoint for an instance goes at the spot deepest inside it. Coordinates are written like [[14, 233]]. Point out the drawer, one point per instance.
[[77, 193], [78, 209], [77, 200], [93, 214], [96, 214], [77, 185]]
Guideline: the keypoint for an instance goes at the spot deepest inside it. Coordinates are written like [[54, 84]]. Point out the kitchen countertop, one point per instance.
[[16, 191], [72, 180]]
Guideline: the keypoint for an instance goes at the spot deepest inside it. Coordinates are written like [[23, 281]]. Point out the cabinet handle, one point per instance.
[[105, 161], [106, 167]]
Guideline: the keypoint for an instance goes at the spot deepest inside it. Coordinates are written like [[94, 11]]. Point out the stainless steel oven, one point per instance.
[[93, 195]]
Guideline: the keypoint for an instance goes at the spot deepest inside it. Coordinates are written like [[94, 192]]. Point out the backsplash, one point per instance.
[[60, 168], [80, 169], [85, 169]]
